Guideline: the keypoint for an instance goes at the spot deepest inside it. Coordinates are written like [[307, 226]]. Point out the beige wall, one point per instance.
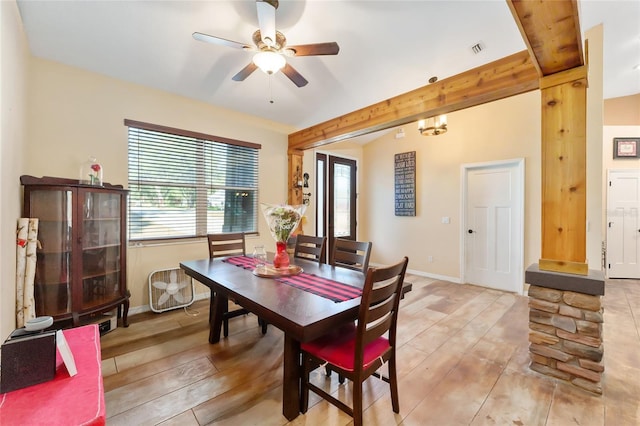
[[623, 111], [608, 134], [619, 110], [501, 130], [74, 113], [595, 106], [14, 65]]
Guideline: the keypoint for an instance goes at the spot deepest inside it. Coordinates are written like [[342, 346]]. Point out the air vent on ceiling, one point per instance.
[[477, 48]]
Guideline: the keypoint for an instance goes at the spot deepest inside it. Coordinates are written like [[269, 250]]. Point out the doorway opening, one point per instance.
[[623, 224], [335, 198]]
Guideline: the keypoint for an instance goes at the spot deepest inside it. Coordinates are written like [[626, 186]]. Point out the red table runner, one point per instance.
[[329, 289], [245, 262]]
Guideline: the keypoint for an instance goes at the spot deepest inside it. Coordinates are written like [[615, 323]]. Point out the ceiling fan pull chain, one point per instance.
[[270, 90]]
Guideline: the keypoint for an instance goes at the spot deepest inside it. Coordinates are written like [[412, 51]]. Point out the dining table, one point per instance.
[[306, 304]]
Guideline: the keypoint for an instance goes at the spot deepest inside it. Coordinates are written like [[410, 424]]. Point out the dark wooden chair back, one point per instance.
[[351, 254], [378, 313], [228, 244], [311, 248], [371, 343]]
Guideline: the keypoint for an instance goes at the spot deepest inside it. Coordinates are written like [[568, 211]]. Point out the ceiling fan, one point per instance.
[[271, 47]]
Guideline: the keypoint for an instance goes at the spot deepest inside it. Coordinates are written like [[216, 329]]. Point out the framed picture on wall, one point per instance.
[[626, 147]]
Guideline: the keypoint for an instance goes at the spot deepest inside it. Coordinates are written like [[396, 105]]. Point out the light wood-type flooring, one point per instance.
[[463, 360]]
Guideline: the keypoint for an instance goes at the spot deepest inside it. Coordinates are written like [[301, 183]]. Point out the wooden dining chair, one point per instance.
[[310, 247], [229, 244], [356, 351], [351, 254]]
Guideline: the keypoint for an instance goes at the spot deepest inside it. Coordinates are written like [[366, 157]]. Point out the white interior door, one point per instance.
[[494, 225], [623, 226]]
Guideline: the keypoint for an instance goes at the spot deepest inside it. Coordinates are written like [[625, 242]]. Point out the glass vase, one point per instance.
[[282, 220], [260, 257], [281, 259], [91, 172]]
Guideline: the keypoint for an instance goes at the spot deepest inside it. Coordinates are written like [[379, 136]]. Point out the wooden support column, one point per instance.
[[551, 31], [295, 177], [564, 192], [294, 160]]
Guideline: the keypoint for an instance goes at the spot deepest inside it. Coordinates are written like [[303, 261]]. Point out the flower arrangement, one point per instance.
[[282, 221]]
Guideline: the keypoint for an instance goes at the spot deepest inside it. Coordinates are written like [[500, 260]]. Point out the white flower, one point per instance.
[[282, 219]]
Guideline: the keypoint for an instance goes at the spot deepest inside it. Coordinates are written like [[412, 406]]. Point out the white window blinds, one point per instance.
[[185, 184]]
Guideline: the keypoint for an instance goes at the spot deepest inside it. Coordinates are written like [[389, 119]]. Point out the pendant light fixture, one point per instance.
[[433, 126]]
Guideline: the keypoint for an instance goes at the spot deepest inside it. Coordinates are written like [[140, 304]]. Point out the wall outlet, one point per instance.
[[445, 219]]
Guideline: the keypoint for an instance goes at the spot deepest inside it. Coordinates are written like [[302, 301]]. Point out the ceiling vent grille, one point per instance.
[[477, 48]]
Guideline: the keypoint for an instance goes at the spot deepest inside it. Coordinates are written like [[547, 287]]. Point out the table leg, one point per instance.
[[291, 380], [217, 303]]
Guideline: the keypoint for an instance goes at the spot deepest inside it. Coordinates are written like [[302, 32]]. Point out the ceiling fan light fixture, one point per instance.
[[269, 62]]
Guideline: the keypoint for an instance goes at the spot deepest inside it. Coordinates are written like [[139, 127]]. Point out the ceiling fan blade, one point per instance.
[[330, 48], [294, 75], [221, 41], [245, 72], [267, 20]]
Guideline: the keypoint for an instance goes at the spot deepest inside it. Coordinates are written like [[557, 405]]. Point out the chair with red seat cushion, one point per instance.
[[357, 351]]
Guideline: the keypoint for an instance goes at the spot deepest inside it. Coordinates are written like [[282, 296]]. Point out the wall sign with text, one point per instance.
[[405, 184]]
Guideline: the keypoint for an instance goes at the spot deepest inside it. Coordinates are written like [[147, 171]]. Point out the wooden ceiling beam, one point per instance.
[[551, 31], [509, 76]]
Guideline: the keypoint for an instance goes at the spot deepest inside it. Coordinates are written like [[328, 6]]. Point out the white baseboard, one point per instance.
[[426, 274], [434, 276]]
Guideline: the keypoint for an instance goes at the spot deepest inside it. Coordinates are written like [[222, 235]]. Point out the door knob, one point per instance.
[[470, 231]]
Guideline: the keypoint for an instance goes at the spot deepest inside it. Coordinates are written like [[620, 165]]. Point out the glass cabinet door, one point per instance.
[[52, 283], [101, 228]]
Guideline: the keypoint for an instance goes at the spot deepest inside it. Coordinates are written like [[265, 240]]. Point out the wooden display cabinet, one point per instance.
[[82, 250]]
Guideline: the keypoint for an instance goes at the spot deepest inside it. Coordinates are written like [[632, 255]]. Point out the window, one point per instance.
[[185, 184]]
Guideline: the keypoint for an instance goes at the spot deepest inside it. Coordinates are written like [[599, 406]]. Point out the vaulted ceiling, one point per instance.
[[386, 48]]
